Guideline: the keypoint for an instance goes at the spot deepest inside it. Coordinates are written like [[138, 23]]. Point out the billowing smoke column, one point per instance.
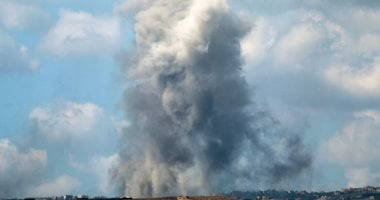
[[194, 128]]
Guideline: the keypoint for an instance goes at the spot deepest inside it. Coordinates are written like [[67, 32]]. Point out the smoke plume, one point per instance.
[[194, 127]]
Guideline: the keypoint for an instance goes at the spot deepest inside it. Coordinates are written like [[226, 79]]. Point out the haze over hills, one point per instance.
[[364, 193], [157, 98]]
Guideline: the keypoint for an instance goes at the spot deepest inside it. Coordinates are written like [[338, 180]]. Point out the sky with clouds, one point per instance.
[[314, 65]]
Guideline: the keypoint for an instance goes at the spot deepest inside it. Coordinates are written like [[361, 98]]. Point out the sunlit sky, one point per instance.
[[314, 65]]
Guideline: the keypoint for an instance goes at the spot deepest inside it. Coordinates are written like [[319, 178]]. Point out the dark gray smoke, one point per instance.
[[194, 128]]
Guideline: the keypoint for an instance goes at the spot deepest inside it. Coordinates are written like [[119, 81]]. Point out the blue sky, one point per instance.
[[314, 65]]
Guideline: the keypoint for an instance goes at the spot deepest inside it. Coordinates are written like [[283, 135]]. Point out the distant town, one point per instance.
[[362, 193]]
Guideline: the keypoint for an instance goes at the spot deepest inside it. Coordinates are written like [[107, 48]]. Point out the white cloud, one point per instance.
[[298, 46], [255, 45], [362, 82], [365, 19], [315, 58], [99, 167], [368, 44], [130, 6], [15, 57], [354, 145], [81, 33], [17, 15], [61, 185], [369, 114], [78, 135], [74, 131], [296, 41], [67, 120], [19, 170], [102, 171], [359, 177], [355, 148]]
